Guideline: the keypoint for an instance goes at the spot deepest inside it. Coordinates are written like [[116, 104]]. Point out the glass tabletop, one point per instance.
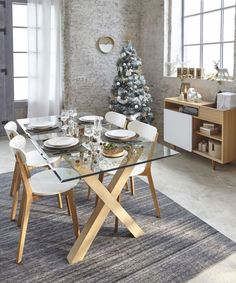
[[96, 156]]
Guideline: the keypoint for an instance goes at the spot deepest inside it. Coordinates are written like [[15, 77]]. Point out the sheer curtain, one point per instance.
[[45, 57]]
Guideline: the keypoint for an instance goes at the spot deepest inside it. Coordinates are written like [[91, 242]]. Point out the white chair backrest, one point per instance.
[[17, 145], [11, 129], [115, 118], [146, 131]]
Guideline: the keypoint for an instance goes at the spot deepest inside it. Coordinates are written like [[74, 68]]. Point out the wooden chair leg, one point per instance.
[[59, 200], [16, 181], [24, 225], [131, 178], [88, 193], [154, 194], [13, 179], [15, 194], [68, 205], [19, 221], [14, 206], [116, 219], [100, 178], [73, 212]]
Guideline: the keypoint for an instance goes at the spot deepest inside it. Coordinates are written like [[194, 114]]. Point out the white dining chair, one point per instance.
[[44, 183], [149, 133], [34, 160], [116, 119]]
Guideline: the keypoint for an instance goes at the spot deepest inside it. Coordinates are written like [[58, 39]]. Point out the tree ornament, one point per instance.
[[128, 73]]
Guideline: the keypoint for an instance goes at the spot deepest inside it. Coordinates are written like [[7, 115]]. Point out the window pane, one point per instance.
[[228, 3], [20, 88], [211, 27], [211, 53], [20, 39], [192, 30], [192, 7], [192, 56], [19, 15], [229, 25], [211, 5], [228, 61], [20, 65]]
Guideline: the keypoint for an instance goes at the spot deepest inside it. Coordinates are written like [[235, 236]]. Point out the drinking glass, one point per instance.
[[97, 124], [97, 129], [64, 118], [75, 113], [88, 131]]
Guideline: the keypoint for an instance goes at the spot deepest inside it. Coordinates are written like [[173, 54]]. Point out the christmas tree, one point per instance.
[[130, 94]]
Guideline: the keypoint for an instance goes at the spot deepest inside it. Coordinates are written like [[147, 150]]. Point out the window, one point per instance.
[[20, 49], [208, 34]]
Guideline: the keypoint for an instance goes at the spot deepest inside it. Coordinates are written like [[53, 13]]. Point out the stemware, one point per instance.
[[75, 113], [64, 118], [97, 129], [88, 131]]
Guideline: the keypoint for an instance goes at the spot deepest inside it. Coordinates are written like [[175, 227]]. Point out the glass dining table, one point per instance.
[[88, 159]]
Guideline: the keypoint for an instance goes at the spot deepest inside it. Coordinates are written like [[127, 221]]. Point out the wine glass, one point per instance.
[[64, 118], [75, 113], [71, 114], [97, 129], [88, 131]]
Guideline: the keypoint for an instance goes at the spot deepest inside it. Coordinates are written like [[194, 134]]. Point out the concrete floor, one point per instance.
[[189, 180]]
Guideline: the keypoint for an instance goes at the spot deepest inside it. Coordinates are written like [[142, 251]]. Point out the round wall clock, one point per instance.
[[106, 44]]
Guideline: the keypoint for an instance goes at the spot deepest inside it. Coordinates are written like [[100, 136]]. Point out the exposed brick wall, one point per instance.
[[89, 73]]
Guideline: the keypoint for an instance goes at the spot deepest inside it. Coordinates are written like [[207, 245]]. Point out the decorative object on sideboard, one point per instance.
[[209, 130], [190, 73], [193, 95], [214, 149], [226, 100], [181, 96], [106, 44], [221, 73], [200, 73], [184, 88]]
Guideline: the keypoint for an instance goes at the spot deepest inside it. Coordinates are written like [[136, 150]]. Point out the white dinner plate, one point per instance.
[[120, 134], [90, 118], [41, 124], [61, 142]]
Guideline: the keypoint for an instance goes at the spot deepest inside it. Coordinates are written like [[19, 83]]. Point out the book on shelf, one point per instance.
[[209, 131], [208, 126]]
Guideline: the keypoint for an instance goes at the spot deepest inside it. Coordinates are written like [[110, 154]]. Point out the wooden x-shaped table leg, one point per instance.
[[107, 202]]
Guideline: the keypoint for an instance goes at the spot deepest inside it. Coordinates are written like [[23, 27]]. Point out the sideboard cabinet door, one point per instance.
[[178, 129]]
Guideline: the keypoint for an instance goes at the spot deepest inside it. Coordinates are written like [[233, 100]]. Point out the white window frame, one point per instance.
[[19, 2], [201, 43]]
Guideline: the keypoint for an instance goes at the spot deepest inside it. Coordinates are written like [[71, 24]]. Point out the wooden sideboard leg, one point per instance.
[[213, 164]]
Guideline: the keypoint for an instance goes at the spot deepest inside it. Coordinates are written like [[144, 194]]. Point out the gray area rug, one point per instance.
[[174, 248]]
